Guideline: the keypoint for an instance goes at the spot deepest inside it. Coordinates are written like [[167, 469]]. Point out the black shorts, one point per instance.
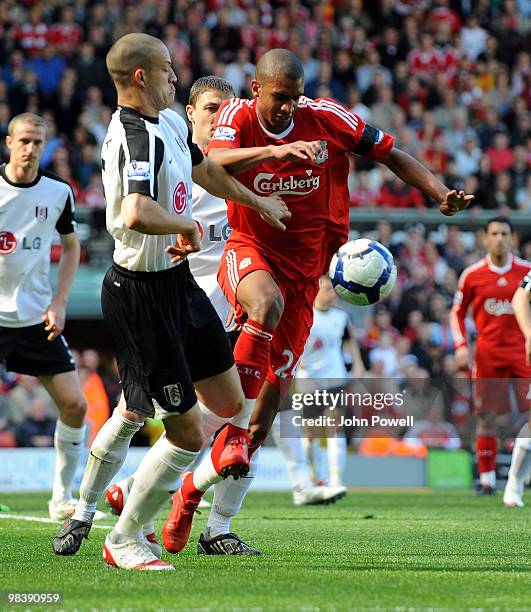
[[26, 350], [166, 336]]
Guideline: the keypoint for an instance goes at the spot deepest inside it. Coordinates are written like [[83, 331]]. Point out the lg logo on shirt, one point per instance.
[[8, 243], [180, 198]]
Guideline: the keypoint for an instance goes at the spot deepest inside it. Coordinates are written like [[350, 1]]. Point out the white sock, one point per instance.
[[521, 459], [336, 452], [211, 421], [243, 417], [155, 476], [488, 479], [107, 454], [292, 449], [68, 442], [205, 474], [228, 498], [315, 458]]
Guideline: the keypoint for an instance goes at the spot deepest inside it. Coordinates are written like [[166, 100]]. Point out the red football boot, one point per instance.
[[230, 451], [176, 528]]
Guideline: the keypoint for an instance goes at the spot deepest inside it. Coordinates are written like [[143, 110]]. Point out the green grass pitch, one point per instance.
[[390, 550]]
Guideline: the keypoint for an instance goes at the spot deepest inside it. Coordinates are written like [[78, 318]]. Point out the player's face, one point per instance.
[[327, 296], [160, 79], [26, 145], [202, 114], [277, 100], [498, 240]]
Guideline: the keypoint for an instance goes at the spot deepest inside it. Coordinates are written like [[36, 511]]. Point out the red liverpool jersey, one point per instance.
[[315, 193], [490, 289]]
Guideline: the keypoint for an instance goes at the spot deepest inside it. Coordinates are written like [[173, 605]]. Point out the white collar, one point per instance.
[[500, 269], [277, 136]]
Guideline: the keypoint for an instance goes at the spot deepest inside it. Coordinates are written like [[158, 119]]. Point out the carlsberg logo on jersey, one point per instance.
[[498, 307], [269, 183]]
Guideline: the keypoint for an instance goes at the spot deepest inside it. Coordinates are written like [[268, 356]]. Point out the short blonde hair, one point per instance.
[[31, 118], [128, 53]]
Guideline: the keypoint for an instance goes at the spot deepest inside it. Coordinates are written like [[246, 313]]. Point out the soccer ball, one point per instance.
[[363, 272]]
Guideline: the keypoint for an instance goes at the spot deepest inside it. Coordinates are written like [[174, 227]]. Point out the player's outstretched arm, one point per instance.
[[522, 311], [217, 181], [415, 174], [55, 315], [239, 160]]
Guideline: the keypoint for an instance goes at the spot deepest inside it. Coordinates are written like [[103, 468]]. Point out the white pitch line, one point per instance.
[[39, 519]]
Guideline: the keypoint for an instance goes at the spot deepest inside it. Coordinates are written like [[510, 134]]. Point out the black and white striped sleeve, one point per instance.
[[195, 151], [66, 224], [141, 156], [526, 282]]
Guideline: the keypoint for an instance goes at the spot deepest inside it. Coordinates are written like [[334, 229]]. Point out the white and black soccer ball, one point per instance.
[[363, 272]]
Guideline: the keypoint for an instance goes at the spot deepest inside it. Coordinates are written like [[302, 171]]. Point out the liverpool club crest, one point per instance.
[[322, 156]]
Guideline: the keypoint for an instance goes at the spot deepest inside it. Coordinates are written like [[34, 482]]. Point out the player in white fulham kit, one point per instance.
[[172, 351], [206, 96], [521, 460], [323, 367], [34, 204]]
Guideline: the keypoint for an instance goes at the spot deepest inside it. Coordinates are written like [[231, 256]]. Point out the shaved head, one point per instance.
[[279, 62], [129, 53]]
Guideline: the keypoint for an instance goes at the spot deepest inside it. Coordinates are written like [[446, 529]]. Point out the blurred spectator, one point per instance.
[[49, 68], [37, 428], [397, 194], [500, 154], [433, 431], [22, 395], [467, 158]]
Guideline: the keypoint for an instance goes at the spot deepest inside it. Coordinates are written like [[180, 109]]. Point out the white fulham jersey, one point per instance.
[[323, 352], [153, 157], [211, 214], [29, 216]]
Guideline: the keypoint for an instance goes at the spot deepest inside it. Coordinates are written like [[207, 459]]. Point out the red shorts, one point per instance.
[[493, 381], [293, 330]]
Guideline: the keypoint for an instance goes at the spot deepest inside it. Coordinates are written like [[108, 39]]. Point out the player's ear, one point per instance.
[[9, 141], [190, 113], [139, 77], [255, 88]]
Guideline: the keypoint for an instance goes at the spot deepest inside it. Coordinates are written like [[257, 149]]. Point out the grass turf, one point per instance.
[[390, 550]]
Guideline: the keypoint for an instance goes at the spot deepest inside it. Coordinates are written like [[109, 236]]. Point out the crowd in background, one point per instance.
[[451, 79]]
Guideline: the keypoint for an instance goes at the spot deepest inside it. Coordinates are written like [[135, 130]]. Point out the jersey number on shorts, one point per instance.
[[283, 371]]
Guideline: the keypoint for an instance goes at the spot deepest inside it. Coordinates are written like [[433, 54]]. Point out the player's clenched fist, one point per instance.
[[454, 202], [462, 358], [188, 241], [272, 209], [295, 151]]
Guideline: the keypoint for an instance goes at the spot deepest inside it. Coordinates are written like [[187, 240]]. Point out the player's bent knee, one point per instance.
[[267, 308], [131, 416], [190, 440], [74, 408]]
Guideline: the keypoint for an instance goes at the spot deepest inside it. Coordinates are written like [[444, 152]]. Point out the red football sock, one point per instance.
[[486, 447], [251, 354]]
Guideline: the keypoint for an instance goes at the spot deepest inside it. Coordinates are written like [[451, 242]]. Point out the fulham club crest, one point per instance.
[[41, 212], [174, 394]]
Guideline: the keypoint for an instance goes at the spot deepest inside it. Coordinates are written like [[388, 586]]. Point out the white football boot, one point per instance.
[[318, 495], [512, 496], [131, 554], [116, 497]]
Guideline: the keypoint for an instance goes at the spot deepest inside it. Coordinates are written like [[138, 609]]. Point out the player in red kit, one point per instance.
[[488, 287], [282, 142]]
